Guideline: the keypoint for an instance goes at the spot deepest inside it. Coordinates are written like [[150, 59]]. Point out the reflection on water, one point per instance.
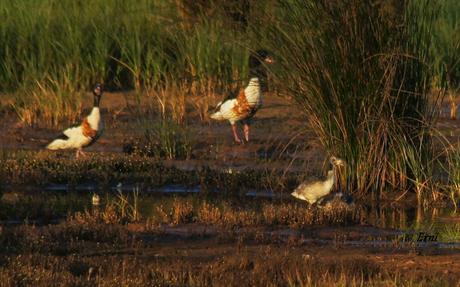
[[56, 202], [415, 218]]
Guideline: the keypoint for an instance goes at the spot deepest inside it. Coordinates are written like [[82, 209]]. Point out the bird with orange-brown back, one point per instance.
[[86, 133], [243, 105]]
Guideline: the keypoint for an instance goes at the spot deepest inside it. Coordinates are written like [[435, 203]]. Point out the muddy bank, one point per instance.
[[85, 253], [280, 143], [107, 170], [283, 151], [191, 239]]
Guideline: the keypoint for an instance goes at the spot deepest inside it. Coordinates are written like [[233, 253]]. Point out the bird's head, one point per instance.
[[336, 162], [98, 91], [258, 62], [260, 57]]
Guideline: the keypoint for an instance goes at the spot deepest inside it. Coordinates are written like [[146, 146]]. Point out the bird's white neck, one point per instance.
[[330, 180], [94, 118], [253, 92]]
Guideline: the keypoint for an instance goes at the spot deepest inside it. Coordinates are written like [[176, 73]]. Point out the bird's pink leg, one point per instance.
[[235, 134], [79, 153], [246, 132]]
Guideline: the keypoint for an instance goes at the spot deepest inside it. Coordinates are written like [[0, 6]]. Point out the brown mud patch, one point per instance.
[[280, 137], [198, 255], [278, 134]]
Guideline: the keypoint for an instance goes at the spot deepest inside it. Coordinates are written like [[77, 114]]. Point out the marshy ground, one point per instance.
[[219, 215], [181, 204]]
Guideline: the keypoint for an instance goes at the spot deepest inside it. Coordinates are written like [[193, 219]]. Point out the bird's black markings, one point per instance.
[[230, 96], [62, 136]]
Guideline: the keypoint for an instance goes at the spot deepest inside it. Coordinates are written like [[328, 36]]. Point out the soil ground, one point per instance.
[[280, 138], [197, 255], [278, 135]]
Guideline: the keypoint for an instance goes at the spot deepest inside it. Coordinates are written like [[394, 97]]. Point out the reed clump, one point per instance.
[[446, 50], [362, 73], [164, 139], [453, 169]]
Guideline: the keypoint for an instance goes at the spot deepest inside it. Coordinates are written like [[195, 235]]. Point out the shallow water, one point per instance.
[[56, 201], [383, 216]]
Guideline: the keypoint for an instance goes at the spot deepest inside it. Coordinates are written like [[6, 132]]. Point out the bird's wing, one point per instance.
[[79, 130], [73, 132], [227, 108], [67, 139], [230, 96]]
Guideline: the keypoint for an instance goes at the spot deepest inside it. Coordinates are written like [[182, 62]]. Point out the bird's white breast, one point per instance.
[[94, 119], [253, 93]]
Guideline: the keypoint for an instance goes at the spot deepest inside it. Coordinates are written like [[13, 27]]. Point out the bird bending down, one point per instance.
[[316, 190], [243, 105], [86, 133]]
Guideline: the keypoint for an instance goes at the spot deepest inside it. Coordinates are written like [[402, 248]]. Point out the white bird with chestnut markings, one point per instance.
[[241, 106], [86, 133]]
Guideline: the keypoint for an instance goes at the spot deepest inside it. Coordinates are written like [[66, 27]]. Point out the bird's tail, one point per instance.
[[57, 144], [217, 116], [216, 113]]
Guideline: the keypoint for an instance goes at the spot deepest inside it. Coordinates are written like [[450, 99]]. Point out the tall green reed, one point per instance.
[[361, 71], [446, 48]]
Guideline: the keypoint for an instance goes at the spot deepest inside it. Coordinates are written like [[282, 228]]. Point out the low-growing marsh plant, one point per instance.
[[118, 210], [220, 265], [180, 211], [126, 208], [31, 168], [166, 139], [229, 215]]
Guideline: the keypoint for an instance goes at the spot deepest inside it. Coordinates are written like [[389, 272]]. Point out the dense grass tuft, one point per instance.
[[362, 73]]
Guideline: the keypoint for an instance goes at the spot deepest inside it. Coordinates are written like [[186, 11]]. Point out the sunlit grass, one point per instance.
[[50, 50], [362, 74]]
